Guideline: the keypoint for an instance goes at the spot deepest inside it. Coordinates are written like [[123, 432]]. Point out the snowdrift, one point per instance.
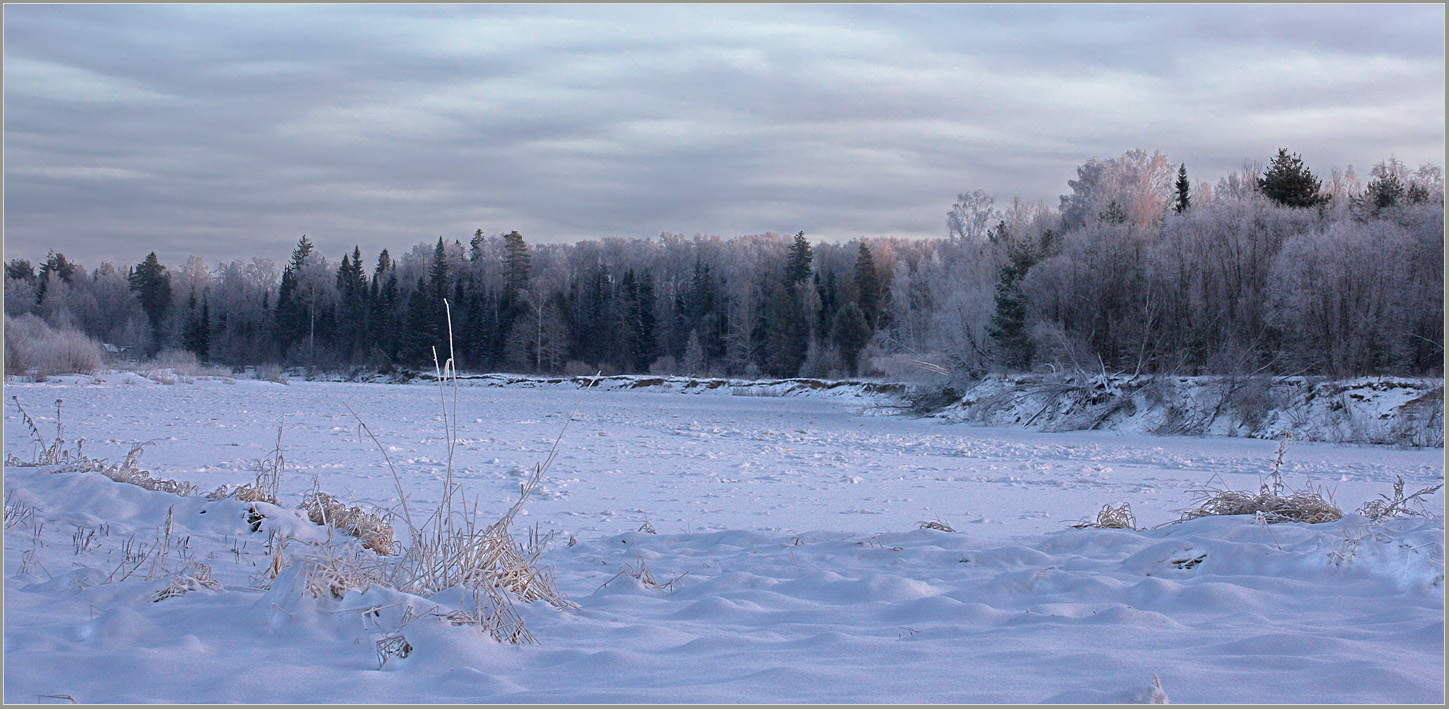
[[1213, 610]]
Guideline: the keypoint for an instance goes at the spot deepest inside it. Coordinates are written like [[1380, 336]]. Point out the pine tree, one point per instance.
[[850, 332], [787, 334], [1184, 196], [196, 333], [1290, 183], [152, 286], [292, 321], [1008, 323], [797, 268], [1384, 192], [419, 331], [516, 261], [55, 264], [352, 289], [867, 284], [20, 269]]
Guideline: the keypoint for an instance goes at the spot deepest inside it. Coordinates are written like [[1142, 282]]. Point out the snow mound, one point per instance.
[[1218, 609]]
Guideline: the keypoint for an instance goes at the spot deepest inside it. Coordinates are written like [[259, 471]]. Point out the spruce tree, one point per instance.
[[196, 333], [1290, 183], [1008, 323], [57, 265], [516, 261], [19, 269], [867, 284], [353, 293], [152, 286], [419, 330], [850, 332], [1383, 193], [292, 322], [787, 335], [797, 268], [1184, 197]]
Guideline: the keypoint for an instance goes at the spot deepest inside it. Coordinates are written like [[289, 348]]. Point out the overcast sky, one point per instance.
[[229, 131]]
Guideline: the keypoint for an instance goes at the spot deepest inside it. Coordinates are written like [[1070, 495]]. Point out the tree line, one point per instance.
[[1137, 269]]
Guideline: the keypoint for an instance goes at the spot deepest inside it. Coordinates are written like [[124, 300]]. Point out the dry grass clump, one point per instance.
[[193, 576], [56, 452], [937, 525], [372, 528], [268, 479], [1398, 505], [452, 547], [1110, 517], [1274, 502]]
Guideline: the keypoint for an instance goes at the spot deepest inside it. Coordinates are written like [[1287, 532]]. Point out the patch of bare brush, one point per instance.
[[453, 547], [1110, 517], [373, 529], [1273, 503], [271, 373], [56, 452], [1399, 504], [265, 486], [937, 525], [35, 349]]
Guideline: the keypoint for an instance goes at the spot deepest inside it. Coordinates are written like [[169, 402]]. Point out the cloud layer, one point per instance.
[[229, 131]]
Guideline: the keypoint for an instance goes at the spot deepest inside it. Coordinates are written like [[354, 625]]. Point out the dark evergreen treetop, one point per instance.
[[20, 269], [152, 286], [1184, 189], [516, 263], [1290, 183], [867, 284], [797, 268]]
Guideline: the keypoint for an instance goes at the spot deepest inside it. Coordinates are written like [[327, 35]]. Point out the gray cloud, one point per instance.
[[228, 131]]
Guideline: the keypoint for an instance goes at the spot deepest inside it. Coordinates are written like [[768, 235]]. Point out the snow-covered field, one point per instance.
[[790, 527]]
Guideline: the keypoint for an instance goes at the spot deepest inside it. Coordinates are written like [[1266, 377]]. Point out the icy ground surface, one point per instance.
[[788, 525]]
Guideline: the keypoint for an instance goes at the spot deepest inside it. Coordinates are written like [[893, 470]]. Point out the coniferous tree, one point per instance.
[[867, 285], [20, 269], [1008, 327], [196, 334], [787, 334], [850, 332], [420, 329], [1290, 183], [54, 265], [1384, 192], [352, 289], [516, 263], [1184, 196], [798, 265], [152, 286], [293, 322], [383, 318]]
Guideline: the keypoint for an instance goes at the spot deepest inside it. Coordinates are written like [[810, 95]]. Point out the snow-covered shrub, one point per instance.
[[35, 348], [271, 373]]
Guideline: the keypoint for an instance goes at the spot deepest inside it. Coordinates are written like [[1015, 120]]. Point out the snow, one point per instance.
[[789, 563]]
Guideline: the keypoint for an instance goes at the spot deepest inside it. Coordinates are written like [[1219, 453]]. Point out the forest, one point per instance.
[[1138, 269]]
